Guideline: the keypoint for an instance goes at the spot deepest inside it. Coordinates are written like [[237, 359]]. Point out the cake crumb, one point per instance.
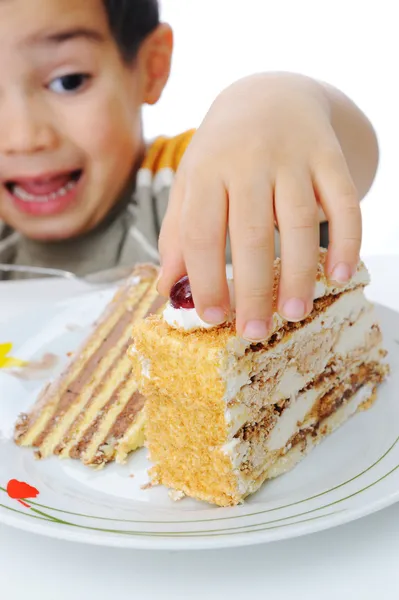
[[176, 495], [367, 404], [131, 475], [147, 486]]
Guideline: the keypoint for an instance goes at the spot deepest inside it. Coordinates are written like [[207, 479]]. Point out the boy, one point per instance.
[[274, 148]]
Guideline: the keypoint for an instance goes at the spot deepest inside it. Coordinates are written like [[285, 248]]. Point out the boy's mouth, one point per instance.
[[44, 189], [44, 195]]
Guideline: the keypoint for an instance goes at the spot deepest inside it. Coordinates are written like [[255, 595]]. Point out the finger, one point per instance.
[[251, 223], [297, 216], [338, 197], [203, 230], [170, 248]]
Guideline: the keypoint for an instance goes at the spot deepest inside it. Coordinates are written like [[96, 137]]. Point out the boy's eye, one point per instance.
[[68, 84]]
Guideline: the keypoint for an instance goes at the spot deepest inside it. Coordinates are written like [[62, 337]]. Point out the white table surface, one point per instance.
[[358, 561]]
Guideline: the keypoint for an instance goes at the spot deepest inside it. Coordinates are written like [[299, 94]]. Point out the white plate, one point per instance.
[[351, 474]]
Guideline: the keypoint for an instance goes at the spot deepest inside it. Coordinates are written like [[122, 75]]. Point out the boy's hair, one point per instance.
[[130, 22]]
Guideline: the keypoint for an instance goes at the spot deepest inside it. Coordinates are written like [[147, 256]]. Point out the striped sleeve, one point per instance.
[[154, 180], [162, 160]]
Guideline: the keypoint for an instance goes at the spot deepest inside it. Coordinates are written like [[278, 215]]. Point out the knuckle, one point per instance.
[[301, 273], [327, 154], [257, 296], [304, 217], [350, 247], [198, 240], [196, 170], [352, 212], [352, 240], [350, 196], [258, 237], [298, 272], [348, 221]]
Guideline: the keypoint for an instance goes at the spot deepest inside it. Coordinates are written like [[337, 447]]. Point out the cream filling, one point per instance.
[[134, 438], [236, 416], [106, 424], [294, 418], [312, 346], [291, 421], [293, 456], [90, 412], [355, 336], [351, 339]]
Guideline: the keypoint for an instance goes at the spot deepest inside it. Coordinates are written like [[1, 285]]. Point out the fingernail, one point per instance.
[[214, 316], [257, 331], [341, 273], [294, 309]]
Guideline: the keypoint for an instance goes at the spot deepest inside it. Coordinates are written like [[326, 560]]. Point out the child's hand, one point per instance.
[[266, 152]]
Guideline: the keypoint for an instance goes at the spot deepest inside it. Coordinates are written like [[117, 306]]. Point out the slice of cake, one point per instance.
[[94, 411], [223, 415]]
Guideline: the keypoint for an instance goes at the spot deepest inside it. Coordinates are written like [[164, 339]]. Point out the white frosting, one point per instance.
[[323, 288], [184, 318], [188, 319], [319, 290]]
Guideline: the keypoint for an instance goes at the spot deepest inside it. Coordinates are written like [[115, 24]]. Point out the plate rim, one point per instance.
[[293, 530]]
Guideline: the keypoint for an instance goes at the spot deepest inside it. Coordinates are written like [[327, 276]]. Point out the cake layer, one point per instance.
[[93, 411], [233, 408], [346, 328], [307, 439], [256, 448]]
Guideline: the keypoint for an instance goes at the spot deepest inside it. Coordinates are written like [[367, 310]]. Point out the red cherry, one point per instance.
[[180, 294]]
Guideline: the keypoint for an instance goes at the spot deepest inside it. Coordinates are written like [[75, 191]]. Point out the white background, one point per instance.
[[355, 46], [352, 44]]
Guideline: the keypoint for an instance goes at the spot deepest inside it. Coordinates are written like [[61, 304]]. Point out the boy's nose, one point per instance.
[[26, 130]]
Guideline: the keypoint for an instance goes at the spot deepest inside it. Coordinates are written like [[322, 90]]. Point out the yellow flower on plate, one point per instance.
[[6, 361]]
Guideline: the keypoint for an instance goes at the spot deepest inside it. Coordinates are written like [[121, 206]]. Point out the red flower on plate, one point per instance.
[[20, 491]]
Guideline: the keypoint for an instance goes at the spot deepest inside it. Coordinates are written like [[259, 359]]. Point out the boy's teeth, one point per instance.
[[22, 194]]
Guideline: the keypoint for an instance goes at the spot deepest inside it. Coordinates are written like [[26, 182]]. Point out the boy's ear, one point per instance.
[[155, 57]]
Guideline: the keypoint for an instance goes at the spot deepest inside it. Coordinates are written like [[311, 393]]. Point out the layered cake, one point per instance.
[[94, 411], [239, 413]]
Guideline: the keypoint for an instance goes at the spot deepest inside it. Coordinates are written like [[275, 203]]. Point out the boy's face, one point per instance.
[[70, 127]]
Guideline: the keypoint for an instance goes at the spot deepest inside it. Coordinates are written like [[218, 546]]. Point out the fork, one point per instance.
[[103, 277]]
